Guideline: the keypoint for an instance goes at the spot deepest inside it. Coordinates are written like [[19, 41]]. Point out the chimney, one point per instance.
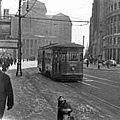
[[6, 13]]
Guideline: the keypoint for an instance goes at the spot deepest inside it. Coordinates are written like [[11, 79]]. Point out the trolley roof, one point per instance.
[[66, 45]]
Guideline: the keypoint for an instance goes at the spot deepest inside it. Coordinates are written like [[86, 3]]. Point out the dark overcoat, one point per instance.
[[6, 93]]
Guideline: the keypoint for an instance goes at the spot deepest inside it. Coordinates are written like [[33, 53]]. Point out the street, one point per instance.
[[104, 86], [96, 97]]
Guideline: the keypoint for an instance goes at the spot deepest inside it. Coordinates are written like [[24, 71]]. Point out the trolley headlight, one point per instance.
[[72, 68]]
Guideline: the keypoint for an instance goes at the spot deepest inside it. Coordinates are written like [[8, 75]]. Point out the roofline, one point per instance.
[[60, 45]]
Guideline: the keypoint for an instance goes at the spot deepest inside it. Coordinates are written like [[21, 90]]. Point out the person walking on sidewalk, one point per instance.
[[98, 65], [6, 93], [87, 62]]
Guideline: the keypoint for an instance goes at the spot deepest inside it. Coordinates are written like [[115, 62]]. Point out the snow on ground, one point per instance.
[[36, 98]]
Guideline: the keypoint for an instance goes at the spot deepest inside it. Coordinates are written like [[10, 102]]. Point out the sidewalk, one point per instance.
[[36, 99], [92, 66]]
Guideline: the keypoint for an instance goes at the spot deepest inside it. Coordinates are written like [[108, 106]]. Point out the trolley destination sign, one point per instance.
[[9, 43]]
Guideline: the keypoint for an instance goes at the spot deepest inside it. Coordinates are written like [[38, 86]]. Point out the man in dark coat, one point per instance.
[[6, 93]]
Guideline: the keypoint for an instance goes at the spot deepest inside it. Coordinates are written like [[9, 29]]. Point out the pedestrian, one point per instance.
[[107, 63], [98, 66], [87, 62], [4, 67], [15, 60], [6, 93]]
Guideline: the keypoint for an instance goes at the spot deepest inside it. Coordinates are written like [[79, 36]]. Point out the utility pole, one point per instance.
[[83, 40], [19, 70], [83, 44]]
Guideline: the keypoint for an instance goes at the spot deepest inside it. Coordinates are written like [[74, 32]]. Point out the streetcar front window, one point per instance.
[[72, 56]]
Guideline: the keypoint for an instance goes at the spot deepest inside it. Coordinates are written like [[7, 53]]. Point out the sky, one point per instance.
[[77, 10]]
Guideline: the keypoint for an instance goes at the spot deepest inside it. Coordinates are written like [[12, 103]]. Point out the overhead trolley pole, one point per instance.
[[19, 69]]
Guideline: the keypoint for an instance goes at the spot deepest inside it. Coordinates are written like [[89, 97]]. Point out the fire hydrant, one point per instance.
[[64, 109]]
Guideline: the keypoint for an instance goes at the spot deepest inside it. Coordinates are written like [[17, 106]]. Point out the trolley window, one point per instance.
[[63, 56], [40, 56], [48, 56], [72, 56]]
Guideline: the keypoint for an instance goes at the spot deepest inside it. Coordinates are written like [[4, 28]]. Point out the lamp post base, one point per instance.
[[19, 71]]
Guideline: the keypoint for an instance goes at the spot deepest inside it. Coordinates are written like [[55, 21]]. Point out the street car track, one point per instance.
[[89, 96], [103, 81], [101, 78], [102, 100]]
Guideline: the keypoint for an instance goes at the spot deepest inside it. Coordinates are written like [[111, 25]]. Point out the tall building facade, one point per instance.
[[97, 29], [39, 29], [105, 29], [112, 25]]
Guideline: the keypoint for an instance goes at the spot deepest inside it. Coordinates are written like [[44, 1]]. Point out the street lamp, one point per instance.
[[19, 70]]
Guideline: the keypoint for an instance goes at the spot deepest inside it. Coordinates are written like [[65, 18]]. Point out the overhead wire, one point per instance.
[[52, 12], [59, 20], [24, 16], [30, 8], [54, 19], [68, 21]]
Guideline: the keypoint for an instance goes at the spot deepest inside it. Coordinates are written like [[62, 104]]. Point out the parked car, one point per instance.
[[110, 63]]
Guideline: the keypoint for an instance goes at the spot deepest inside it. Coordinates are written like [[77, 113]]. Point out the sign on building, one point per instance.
[[9, 44]]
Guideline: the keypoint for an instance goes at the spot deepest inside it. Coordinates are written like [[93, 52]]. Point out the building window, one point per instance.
[[110, 53], [110, 41], [39, 42], [23, 50], [115, 6], [27, 43], [119, 18], [115, 28], [27, 52], [115, 19], [35, 43], [31, 51], [118, 40], [31, 43], [119, 27], [111, 29], [119, 4], [114, 41], [111, 19], [111, 7], [107, 42], [114, 53]]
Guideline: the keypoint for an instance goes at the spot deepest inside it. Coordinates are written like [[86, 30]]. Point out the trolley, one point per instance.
[[61, 61]]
